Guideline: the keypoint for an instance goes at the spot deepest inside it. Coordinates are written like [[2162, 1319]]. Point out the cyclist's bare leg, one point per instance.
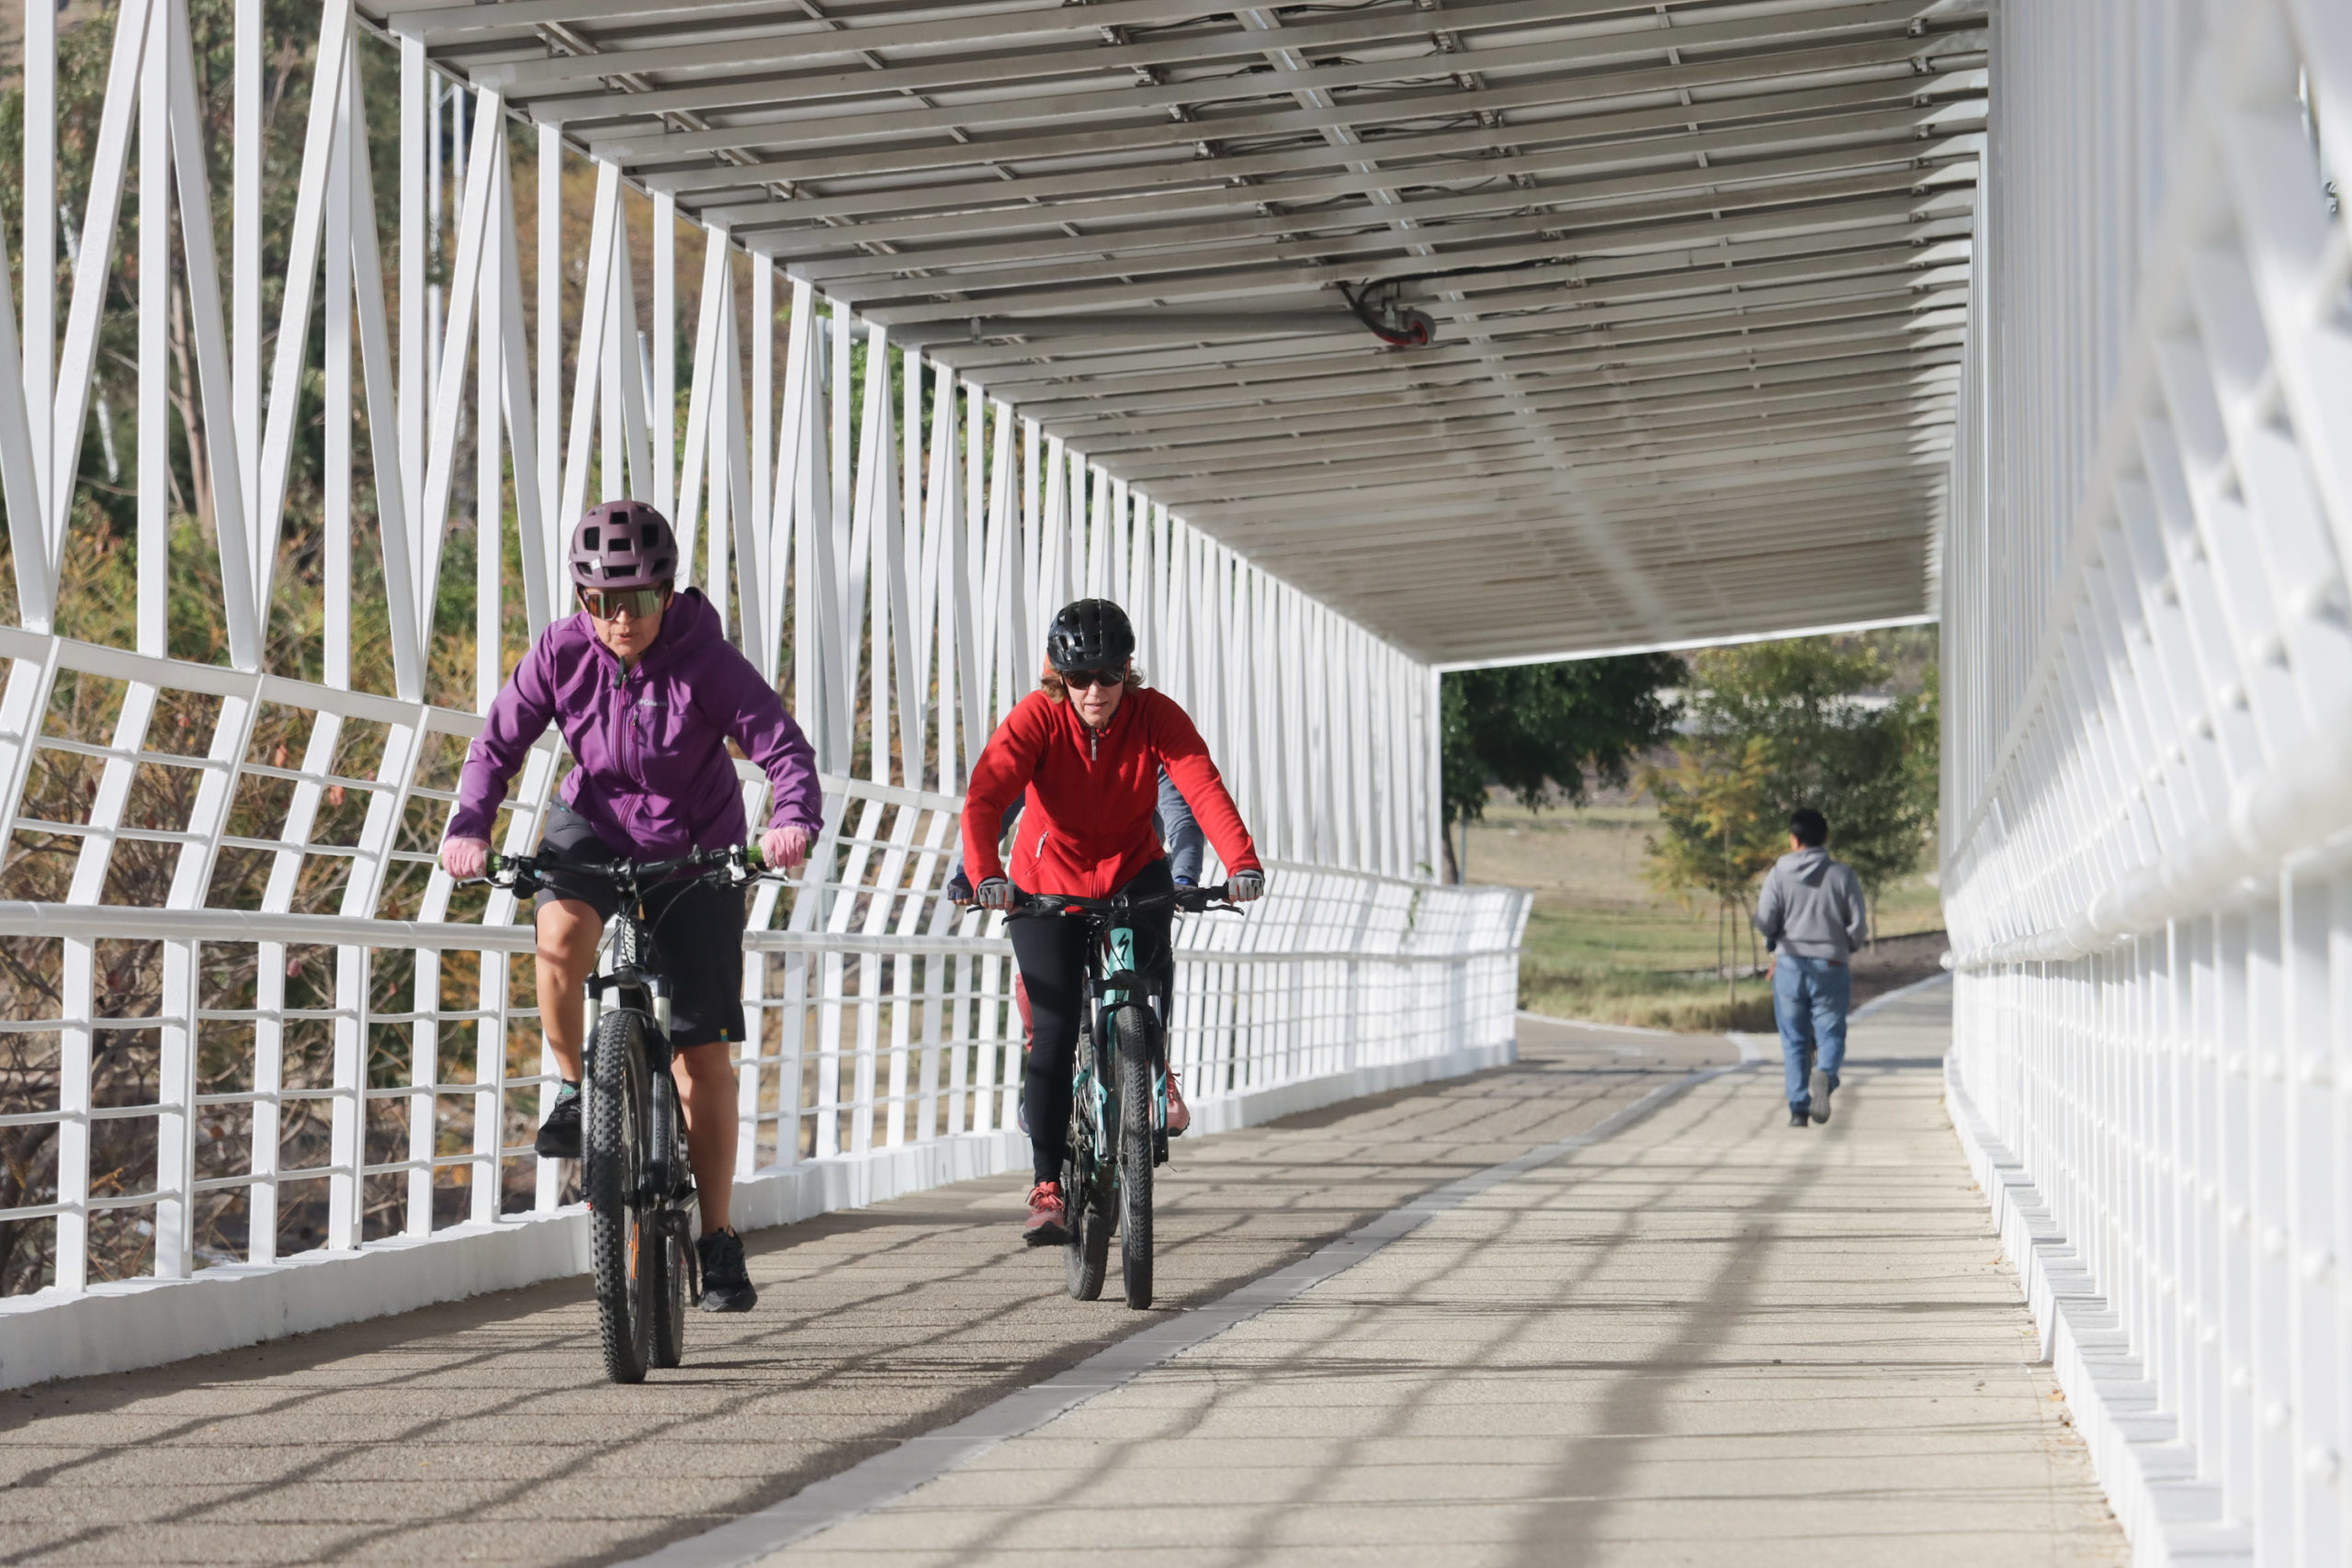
[[706, 1085], [569, 933]]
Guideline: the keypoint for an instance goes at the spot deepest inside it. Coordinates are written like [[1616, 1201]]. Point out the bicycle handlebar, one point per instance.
[[735, 863], [1193, 900]]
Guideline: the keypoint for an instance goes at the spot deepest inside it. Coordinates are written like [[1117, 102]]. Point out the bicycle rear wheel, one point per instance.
[[672, 1273], [672, 1270], [613, 1173], [1133, 1029], [1087, 1188]]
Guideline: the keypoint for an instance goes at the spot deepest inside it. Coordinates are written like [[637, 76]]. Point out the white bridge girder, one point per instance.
[[1675, 256]]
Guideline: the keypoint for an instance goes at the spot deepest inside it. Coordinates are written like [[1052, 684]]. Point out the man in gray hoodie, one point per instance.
[[1812, 919]]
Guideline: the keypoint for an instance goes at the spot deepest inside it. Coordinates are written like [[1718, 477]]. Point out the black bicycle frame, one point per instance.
[[645, 989]]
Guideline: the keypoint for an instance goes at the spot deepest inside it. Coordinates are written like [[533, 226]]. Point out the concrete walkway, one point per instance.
[[1708, 1339], [1711, 1339]]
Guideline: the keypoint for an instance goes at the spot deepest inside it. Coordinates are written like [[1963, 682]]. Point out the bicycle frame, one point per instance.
[[1108, 989], [620, 971], [1116, 984], [1119, 1132], [647, 993], [1112, 982], [658, 1182]]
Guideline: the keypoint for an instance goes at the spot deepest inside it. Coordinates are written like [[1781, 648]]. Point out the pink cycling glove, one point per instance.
[[465, 859], [784, 847]]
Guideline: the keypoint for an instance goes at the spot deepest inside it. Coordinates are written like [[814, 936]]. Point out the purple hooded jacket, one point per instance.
[[654, 778]]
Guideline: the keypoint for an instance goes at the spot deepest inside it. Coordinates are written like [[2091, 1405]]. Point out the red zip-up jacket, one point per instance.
[[1087, 828]]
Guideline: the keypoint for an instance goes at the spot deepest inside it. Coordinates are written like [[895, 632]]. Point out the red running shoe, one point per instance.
[[1049, 1222], [1179, 1115]]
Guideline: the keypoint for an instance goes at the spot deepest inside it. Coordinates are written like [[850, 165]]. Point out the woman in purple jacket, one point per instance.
[[648, 692]]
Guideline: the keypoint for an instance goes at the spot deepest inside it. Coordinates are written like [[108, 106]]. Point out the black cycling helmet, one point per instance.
[[1092, 634]]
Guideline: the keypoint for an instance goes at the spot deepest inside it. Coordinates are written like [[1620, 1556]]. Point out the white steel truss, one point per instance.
[[1698, 268], [875, 521], [2148, 753]]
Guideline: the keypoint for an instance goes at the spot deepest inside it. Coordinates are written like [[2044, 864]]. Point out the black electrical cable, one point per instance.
[[1412, 328], [1365, 313], [1472, 271]]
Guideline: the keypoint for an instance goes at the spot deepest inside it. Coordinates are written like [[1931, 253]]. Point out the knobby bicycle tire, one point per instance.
[[1088, 1191], [1133, 1031], [616, 1129]]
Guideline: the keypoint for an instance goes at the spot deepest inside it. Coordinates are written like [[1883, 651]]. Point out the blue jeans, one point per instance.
[[1809, 997]]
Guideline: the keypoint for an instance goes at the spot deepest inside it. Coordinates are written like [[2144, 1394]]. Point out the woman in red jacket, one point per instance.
[[1088, 748]]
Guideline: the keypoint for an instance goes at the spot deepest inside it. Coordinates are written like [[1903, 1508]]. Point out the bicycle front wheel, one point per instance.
[[613, 1171], [1136, 1149]]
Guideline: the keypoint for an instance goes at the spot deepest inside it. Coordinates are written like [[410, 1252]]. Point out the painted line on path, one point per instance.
[[1594, 1024], [1899, 994], [884, 1479]]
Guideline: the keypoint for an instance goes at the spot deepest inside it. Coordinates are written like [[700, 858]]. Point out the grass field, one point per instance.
[[1603, 944]]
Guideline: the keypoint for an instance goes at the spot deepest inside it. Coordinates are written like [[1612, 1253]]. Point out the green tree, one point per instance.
[[1713, 803], [1810, 721], [1545, 729]]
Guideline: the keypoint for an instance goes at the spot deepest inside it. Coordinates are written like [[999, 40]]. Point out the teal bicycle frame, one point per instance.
[[1119, 986], [1118, 1130]]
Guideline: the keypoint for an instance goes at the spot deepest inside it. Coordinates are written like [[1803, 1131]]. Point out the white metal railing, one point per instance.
[[2148, 762], [249, 1016], [353, 1056]]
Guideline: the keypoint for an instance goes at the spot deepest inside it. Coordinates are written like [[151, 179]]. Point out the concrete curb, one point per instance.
[[147, 1323], [2150, 1475]]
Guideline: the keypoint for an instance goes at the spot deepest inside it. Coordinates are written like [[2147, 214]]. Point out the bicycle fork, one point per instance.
[[667, 1173], [1123, 987]]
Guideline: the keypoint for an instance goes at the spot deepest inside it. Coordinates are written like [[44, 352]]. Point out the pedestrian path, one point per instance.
[[1699, 1338], [1711, 1338]]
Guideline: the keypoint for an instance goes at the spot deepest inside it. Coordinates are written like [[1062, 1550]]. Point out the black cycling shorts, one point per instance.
[[697, 930]]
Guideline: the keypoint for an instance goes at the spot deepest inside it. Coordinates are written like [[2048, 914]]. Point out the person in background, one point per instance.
[[1179, 834], [1811, 917]]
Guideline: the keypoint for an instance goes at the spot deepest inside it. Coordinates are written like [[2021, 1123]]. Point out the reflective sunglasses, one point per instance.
[[605, 604], [1080, 679]]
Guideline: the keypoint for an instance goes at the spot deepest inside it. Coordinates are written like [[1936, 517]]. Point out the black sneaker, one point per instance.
[[725, 1283], [559, 1135], [1800, 1116], [1823, 1085]]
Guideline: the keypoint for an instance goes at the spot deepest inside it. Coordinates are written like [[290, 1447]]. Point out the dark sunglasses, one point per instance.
[[1080, 679], [605, 604]]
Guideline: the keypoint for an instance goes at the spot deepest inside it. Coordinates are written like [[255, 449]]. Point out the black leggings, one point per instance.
[[1052, 951]]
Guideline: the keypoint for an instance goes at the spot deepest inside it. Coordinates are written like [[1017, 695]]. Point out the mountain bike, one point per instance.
[[633, 1165], [1107, 1178]]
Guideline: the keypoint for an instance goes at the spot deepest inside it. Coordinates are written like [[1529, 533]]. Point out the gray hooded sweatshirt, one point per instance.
[[1811, 906]]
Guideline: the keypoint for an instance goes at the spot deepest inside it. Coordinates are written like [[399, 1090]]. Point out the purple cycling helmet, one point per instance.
[[624, 544]]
